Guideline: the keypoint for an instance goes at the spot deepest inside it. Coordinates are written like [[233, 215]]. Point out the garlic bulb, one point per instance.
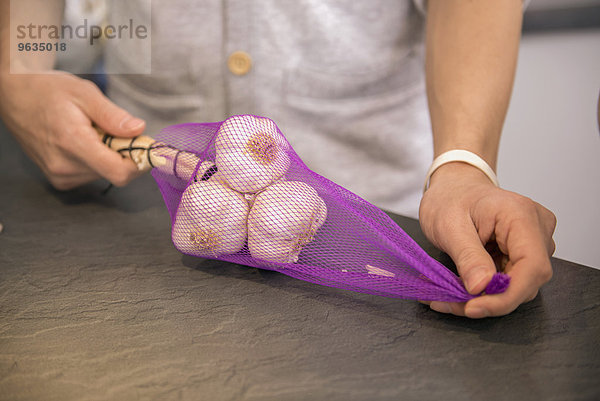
[[250, 153], [283, 219], [211, 220]]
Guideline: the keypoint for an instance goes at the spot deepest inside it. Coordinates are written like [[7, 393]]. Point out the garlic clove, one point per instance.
[[237, 130], [283, 219], [276, 249], [211, 220], [243, 174], [181, 164], [250, 153], [294, 202]]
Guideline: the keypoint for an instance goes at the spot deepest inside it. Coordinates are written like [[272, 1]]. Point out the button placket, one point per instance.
[[238, 59]]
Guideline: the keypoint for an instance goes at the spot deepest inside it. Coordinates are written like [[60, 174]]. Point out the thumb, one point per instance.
[[475, 265], [107, 115]]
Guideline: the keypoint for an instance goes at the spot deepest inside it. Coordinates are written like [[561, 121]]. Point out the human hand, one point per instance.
[[461, 212], [51, 116]]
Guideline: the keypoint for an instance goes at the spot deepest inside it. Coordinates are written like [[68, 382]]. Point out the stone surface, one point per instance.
[[96, 304]]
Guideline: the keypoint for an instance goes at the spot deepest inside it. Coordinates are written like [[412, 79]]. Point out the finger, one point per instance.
[[518, 292], [68, 174], [107, 115], [105, 162], [500, 259], [529, 268], [454, 308], [463, 244], [64, 169], [71, 182]]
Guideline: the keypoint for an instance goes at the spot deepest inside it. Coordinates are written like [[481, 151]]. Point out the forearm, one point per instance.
[[471, 54]]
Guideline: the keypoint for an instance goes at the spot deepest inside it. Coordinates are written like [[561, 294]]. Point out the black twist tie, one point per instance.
[[209, 173], [148, 155], [131, 146], [109, 140], [105, 191]]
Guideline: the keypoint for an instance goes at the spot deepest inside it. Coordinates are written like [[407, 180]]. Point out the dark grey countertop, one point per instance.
[[96, 304]]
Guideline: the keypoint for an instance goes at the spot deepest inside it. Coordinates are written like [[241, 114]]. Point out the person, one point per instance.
[[344, 81]]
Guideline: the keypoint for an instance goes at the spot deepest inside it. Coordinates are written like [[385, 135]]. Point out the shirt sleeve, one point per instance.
[[421, 6]]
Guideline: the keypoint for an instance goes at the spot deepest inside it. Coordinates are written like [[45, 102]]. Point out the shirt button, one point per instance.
[[239, 63]]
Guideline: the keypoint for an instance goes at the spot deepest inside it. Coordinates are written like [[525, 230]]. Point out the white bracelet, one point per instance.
[[460, 155]]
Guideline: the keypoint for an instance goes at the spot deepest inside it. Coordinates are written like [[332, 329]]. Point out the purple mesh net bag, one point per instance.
[[236, 191]]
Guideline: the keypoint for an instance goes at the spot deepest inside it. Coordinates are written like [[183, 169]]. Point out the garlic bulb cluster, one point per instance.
[[250, 153], [211, 220], [246, 198], [283, 219]]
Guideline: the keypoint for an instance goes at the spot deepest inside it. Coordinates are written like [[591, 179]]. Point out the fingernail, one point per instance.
[[441, 307], [131, 123], [474, 277], [476, 312]]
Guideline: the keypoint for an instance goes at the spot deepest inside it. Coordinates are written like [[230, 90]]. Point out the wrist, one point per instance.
[[462, 163], [454, 172]]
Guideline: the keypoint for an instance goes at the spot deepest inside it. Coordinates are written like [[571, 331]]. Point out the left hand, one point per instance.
[[462, 212]]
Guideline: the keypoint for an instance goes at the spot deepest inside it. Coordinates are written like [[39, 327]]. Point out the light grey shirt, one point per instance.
[[343, 80]]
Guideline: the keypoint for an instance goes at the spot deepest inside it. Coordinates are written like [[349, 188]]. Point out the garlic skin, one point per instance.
[[211, 220], [250, 153], [283, 219]]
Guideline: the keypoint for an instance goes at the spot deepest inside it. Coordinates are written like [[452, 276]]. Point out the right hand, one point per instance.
[[51, 116]]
